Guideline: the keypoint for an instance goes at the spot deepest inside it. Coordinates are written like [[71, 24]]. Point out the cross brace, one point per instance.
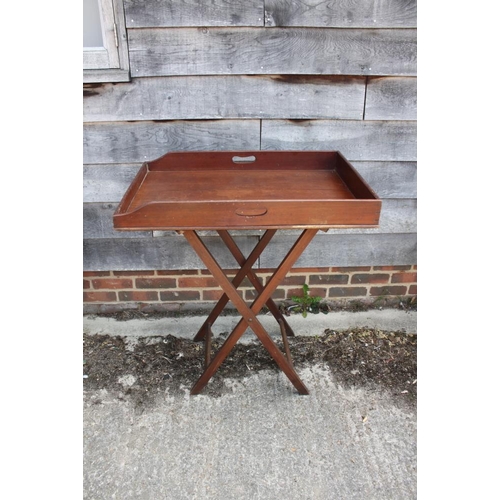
[[248, 313]]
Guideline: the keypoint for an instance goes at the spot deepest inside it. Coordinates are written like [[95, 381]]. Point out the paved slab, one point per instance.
[[259, 440], [313, 324]]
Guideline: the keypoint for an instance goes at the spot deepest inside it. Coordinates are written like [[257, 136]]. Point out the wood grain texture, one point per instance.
[[206, 51], [346, 250], [397, 216], [392, 98], [98, 222], [367, 141], [175, 13], [127, 142], [390, 179], [342, 13], [230, 96], [108, 182], [173, 252]]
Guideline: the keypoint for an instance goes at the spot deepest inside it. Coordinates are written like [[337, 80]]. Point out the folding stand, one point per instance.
[[249, 314]]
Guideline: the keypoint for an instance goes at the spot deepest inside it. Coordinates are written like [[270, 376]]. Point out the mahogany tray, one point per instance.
[[247, 190]]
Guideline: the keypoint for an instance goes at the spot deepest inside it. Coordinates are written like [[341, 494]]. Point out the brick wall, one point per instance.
[[108, 291]]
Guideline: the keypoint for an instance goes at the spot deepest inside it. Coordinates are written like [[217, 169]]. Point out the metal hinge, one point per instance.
[[116, 34]]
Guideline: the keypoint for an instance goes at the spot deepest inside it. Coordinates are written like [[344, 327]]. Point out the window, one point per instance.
[[105, 50]]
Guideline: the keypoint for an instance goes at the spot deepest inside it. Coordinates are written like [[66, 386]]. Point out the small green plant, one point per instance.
[[306, 303]]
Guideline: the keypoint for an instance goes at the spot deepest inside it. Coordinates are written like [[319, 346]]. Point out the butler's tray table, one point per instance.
[[266, 190]]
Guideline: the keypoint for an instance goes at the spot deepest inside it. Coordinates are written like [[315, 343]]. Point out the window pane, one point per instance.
[[92, 32]]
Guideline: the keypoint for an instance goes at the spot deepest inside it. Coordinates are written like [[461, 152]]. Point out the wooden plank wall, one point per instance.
[[250, 75]]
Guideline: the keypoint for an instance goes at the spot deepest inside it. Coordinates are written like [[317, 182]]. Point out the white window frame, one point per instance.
[[110, 62]]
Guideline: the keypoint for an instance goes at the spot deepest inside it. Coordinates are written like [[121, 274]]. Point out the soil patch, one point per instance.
[[143, 371]]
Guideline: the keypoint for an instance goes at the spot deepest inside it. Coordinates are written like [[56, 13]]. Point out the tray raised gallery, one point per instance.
[[247, 190]]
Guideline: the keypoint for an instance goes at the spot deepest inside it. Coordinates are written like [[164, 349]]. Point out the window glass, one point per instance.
[[92, 31]]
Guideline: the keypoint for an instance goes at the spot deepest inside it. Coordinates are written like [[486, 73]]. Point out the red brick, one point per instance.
[[291, 292], [317, 292], [180, 296], [226, 271], [387, 290], [96, 273], [211, 294], [350, 269], [277, 294], [415, 267], [291, 280], [155, 283], [328, 279], [369, 278], [198, 282], [177, 272], [412, 290], [99, 296], [346, 291], [133, 273], [392, 268], [86, 284], [404, 278], [112, 283], [299, 292], [135, 296], [215, 294]]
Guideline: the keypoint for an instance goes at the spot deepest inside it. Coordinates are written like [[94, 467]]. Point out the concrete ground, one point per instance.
[[259, 440]]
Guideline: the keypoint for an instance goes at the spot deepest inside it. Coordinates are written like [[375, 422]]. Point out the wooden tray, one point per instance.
[[248, 190]]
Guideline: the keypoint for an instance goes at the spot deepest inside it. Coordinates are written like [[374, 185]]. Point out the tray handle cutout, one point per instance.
[[251, 212], [244, 159]]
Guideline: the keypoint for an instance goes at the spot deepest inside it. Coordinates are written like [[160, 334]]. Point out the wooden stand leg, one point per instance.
[[240, 258], [285, 341], [208, 345], [245, 267], [249, 318]]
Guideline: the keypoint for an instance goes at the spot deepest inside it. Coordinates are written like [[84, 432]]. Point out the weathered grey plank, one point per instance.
[[230, 96], [126, 142], [342, 13], [346, 250], [173, 252], [325, 250], [107, 183], [390, 179], [205, 51], [156, 13], [367, 141], [98, 222], [392, 98], [106, 75], [396, 216]]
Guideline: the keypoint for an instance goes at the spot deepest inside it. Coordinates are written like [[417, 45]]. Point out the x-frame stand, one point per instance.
[[248, 313]]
